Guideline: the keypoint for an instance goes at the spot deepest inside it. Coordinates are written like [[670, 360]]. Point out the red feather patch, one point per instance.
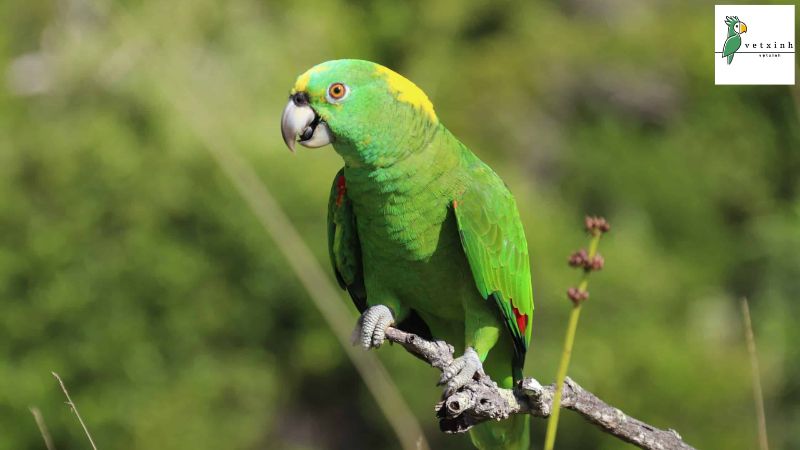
[[341, 189], [522, 319]]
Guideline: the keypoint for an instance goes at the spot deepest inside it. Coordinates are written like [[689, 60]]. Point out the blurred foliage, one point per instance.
[[130, 266]]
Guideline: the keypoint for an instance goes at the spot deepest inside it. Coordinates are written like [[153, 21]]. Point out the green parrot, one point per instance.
[[734, 40], [422, 234]]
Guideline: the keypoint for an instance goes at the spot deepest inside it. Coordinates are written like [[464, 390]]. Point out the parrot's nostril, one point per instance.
[[300, 99]]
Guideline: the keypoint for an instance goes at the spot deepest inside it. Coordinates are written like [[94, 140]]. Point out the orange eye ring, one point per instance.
[[337, 91]]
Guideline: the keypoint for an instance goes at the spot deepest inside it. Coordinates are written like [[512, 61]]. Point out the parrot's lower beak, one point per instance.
[[744, 28], [301, 123]]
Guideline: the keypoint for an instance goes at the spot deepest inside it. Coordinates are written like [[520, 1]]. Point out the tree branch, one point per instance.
[[483, 400]]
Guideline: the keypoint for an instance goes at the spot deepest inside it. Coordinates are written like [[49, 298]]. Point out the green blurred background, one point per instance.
[[131, 266]]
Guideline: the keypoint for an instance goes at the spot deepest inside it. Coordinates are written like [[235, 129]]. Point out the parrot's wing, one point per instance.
[[343, 244], [494, 243], [731, 45]]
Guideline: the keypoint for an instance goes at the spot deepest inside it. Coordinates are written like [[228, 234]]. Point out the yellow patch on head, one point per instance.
[[406, 91], [302, 81]]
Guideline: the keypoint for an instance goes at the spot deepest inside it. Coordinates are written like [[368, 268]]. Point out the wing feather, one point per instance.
[[494, 243], [344, 247]]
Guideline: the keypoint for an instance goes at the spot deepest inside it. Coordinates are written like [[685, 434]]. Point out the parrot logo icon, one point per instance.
[[734, 40]]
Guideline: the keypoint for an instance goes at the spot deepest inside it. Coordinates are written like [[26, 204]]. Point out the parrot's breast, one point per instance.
[[409, 237], [400, 223]]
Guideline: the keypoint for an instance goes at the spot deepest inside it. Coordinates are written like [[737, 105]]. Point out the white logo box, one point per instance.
[[768, 51]]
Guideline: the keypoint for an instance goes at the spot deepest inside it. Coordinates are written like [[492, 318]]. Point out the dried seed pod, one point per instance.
[[596, 263], [596, 224], [577, 296], [578, 259]]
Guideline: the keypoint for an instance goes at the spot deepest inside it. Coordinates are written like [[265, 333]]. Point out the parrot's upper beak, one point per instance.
[[301, 122], [744, 28]]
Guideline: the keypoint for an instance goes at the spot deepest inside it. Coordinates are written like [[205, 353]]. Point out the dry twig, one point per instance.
[[75, 410], [37, 416], [483, 400]]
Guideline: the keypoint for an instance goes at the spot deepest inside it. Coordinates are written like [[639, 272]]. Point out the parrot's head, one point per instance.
[[368, 112], [735, 26]]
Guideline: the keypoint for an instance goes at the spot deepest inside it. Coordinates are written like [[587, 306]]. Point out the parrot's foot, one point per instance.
[[371, 328], [461, 371]]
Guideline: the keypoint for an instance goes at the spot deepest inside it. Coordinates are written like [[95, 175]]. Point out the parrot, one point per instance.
[[734, 40], [422, 234]]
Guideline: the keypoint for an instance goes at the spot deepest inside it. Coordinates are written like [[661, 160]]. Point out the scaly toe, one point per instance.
[[452, 370], [379, 334], [371, 327], [461, 371]]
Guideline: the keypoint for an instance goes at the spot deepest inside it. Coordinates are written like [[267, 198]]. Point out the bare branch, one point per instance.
[[483, 400]]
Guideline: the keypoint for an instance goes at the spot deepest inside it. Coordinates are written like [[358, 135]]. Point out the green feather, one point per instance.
[[495, 246], [344, 248]]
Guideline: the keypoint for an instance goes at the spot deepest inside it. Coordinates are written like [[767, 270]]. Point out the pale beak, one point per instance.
[[301, 123], [744, 27]]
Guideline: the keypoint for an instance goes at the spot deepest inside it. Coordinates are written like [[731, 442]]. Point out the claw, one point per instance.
[[461, 371], [371, 328]]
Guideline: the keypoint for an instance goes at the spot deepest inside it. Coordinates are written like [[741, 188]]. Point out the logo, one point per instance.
[[734, 39], [763, 48]]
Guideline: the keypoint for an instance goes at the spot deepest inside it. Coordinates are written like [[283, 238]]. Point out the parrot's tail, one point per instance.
[[510, 434], [730, 58]]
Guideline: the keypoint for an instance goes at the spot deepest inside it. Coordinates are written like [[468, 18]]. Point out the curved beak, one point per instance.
[[300, 123], [744, 28]]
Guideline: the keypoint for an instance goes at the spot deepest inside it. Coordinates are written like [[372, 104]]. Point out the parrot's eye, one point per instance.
[[337, 92]]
